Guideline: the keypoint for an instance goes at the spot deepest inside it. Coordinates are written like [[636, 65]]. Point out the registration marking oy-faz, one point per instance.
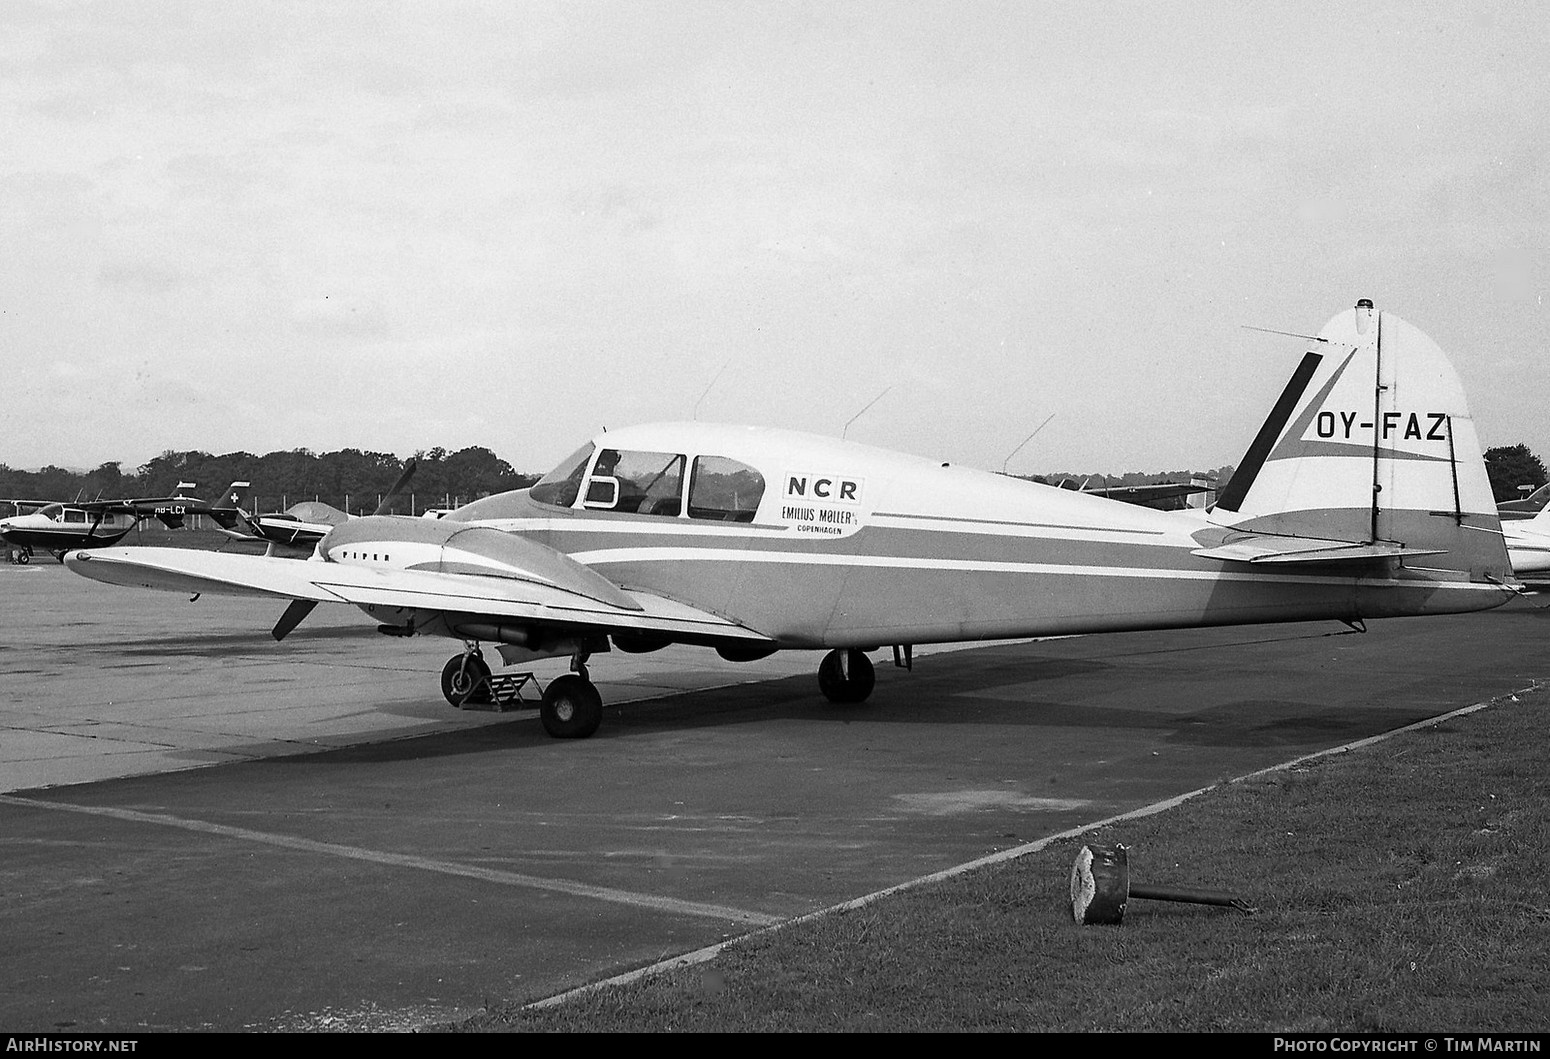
[[827, 504], [1407, 426]]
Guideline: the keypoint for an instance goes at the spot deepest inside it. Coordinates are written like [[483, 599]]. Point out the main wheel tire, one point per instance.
[[571, 707], [465, 680], [840, 686]]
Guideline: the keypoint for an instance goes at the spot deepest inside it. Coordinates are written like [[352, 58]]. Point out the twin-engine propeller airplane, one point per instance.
[[58, 528], [1363, 496], [301, 525], [298, 526]]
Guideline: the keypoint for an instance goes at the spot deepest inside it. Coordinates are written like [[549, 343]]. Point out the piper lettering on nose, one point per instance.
[[831, 488]]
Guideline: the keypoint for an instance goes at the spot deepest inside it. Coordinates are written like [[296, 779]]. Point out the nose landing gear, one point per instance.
[[465, 679]]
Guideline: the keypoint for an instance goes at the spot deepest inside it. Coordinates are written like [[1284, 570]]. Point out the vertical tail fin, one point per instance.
[[1372, 442], [234, 508]]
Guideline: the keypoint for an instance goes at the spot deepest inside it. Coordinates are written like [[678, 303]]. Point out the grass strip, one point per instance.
[[1400, 887]]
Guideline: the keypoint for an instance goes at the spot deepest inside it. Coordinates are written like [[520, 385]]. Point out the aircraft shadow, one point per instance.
[[920, 699]]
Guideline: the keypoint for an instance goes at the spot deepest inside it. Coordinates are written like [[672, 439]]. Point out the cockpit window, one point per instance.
[[52, 512], [562, 485], [724, 489], [648, 483], [74, 515]]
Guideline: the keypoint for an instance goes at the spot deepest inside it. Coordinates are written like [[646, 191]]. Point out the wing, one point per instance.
[[508, 598]]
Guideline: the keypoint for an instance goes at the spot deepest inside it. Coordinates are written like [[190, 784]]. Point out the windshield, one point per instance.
[[561, 485], [649, 483]]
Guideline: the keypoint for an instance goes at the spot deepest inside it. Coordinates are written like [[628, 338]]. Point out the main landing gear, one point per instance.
[[571, 708], [846, 676]]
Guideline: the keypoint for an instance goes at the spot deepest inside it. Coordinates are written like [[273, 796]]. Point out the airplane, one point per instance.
[[299, 526], [1163, 495], [1364, 495], [60, 527], [1526, 507], [1528, 546]]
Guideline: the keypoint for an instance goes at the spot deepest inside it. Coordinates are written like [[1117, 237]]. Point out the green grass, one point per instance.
[[1401, 887]]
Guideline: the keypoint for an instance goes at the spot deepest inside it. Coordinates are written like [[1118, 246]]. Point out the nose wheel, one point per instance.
[[846, 676], [465, 680]]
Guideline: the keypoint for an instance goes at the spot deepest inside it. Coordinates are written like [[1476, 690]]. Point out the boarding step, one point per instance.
[[506, 693]]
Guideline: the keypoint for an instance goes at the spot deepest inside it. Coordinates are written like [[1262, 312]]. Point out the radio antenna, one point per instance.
[[1289, 334], [695, 415], [1025, 441], [859, 414]]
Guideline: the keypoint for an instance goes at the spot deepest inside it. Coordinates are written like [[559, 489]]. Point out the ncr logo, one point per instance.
[[823, 488]]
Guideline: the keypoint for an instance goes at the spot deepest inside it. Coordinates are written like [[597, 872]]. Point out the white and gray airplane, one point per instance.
[[1363, 496], [59, 527], [1528, 546]]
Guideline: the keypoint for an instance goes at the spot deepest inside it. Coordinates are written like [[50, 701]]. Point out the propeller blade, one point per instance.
[[292, 617], [398, 487]]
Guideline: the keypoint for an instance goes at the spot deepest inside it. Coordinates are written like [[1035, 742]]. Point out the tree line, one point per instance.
[[355, 480], [1510, 468], [348, 479], [1513, 471]]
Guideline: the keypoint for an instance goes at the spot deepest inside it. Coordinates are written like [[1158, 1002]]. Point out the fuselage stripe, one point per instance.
[[649, 555]]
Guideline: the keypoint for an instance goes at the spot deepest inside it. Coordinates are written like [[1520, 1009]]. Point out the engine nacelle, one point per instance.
[[458, 548]]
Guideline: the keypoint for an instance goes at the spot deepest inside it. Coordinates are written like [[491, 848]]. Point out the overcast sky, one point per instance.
[[390, 226]]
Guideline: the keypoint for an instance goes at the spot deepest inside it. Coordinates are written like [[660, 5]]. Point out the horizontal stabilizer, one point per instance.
[[1271, 549]]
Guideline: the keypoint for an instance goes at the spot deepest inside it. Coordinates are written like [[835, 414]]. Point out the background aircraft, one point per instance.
[[1364, 495], [60, 527], [300, 526], [1165, 496], [1527, 507], [1528, 546]]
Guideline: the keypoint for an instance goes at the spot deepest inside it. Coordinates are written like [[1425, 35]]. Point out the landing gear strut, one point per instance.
[[465, 679], [846, 676], [22, 554]]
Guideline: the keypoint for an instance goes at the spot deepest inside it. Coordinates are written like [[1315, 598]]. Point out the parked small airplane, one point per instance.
[[299, 526], [1364, 495], [60, 527], [1528, 546], [1166, 496]]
